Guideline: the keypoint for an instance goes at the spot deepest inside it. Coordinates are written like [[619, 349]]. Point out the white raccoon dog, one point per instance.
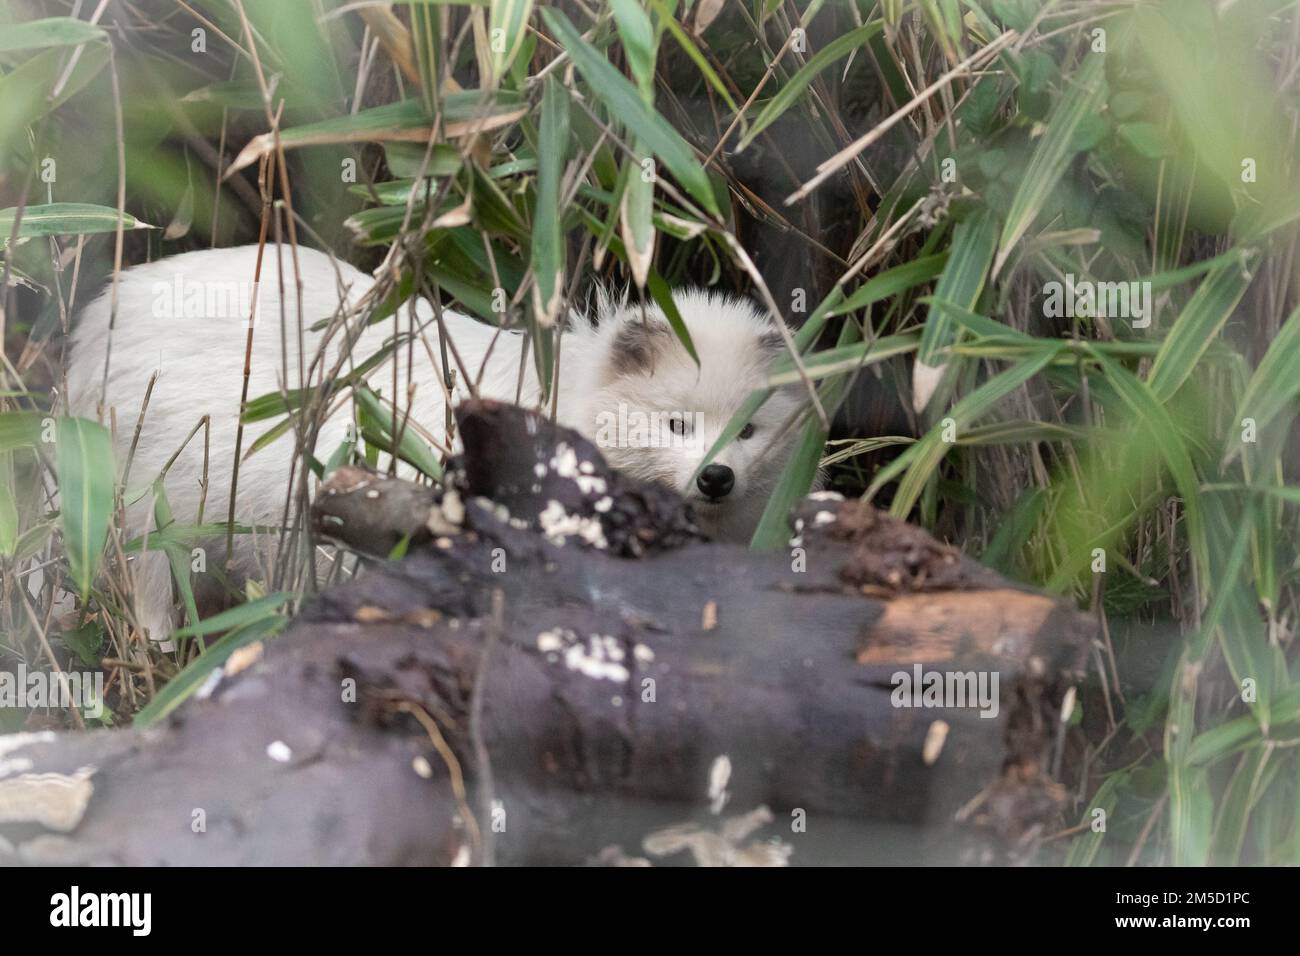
[[626, 382]]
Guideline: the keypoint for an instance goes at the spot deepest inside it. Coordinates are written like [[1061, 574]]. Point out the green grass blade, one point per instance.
[[1055, 150], [624, 102], [891, 282], [961, 283], [86, 478], [548, 242], [920, 461], [1196, 327], [65, 219], [508, 26], [181, 687], [54, 31], [794, 89]]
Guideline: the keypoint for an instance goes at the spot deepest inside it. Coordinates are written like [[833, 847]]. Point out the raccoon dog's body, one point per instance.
[[626, 382]]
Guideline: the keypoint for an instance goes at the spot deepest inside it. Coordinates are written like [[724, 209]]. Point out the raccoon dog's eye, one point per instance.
[[678, 425], [747, 431]]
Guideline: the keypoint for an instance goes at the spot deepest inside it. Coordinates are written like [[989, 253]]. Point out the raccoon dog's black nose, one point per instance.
[[716, 481]]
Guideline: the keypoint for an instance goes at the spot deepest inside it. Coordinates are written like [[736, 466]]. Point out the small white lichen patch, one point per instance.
[[597, 659], [719, 777], [642, 654], [551, 641], [826, 496], [421, 767], [604, 504], [279, 751], [12, 742], [600, 657], [557, 524], [539, 470], [823, 518], [566, 465], [453, 509], [565, 461]]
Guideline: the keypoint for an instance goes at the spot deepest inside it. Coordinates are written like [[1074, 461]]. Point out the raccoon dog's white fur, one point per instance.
[[627, 383]]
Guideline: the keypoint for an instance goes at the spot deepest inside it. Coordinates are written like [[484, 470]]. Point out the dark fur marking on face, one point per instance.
[[635, 347], [772, 341]]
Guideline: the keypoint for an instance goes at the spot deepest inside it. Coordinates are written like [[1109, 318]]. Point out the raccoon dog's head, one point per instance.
[[655, 414]]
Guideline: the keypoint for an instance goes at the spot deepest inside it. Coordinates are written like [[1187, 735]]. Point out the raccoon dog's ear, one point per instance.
[[771, 341], [637, 344]]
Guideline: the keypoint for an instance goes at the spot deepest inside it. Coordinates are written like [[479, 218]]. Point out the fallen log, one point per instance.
[[563, 671]]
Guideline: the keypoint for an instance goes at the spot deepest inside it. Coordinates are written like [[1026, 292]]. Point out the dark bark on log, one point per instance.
[[629, 675]]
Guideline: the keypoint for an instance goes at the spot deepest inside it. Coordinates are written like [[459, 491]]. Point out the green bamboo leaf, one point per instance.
[[183, 685], [961, 283], [1232, 615], [663, 297], [1150, 414], [843, 359], [1191, 808], [86, 477], [624, 101], [891, 282], [463, 112], [239, 616], [793, 90], [1196, 327], [1055, 150], [19, 429], [9, 525], [27, 91], [920, 460], [54, 31], [548, 242], [177, 557], [508, 23], [1274, 386], [639, 44], [412, 448], [774, 527], [667, 20], [1231, 736], [491, 210], [1084, 850], [1250, 779], [982, 326], [636, 219], [65, 218], [796, 479]]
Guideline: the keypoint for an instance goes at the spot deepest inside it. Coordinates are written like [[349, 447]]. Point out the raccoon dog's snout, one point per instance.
[[716, 481]]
